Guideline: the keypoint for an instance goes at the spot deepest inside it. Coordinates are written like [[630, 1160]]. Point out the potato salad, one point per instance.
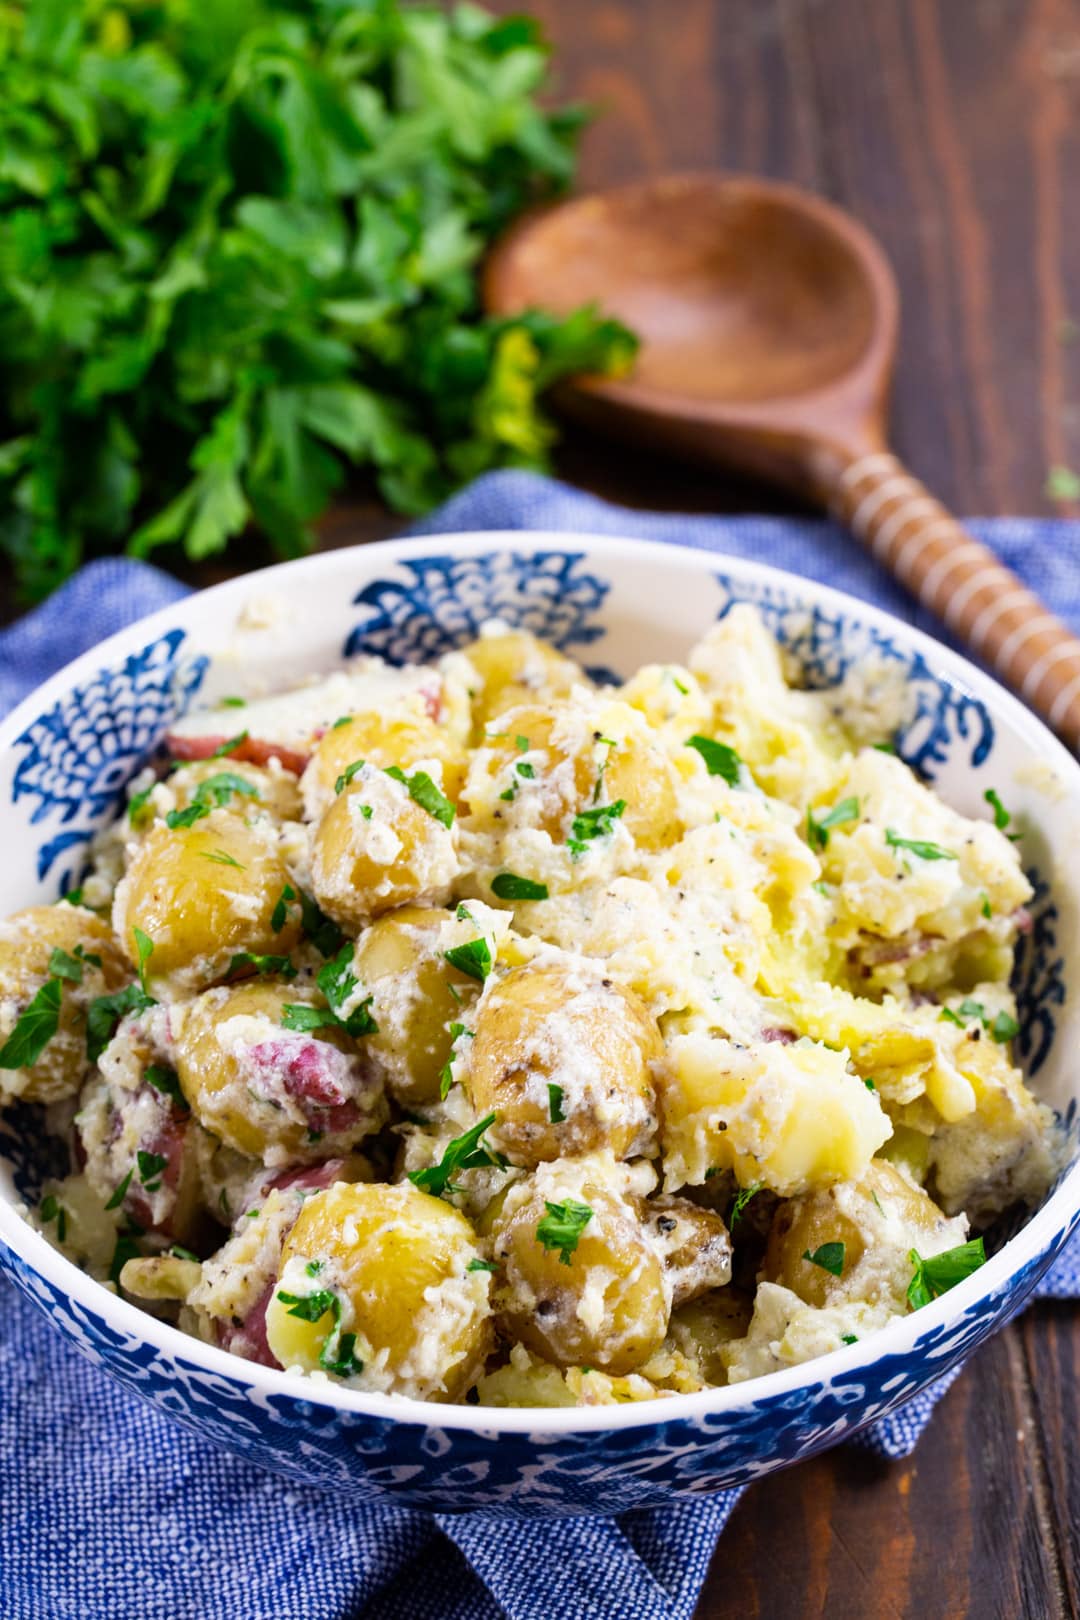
[[475, 1032]]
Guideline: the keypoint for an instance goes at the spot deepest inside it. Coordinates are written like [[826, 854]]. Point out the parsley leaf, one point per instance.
[[338, 1356], [166, 1081], [144, 947], [311, 1307], [917, 846], [347, 775], [465, 1152], [34, 1029], [587, 825], [720, 759], [818, 828], [137, 804], [120, 1191], [742, 1198], [555, 1104], [63, 966], [481, 1265], [280, 914], [265, 966], [562, 1226], [150, 1167], [230, 745], [337, 982], [424, 792], [1003, 1027], [935, 1276], [829, 1257], [187, 817], [473, 958], [105, 1012], [323, 933], [302, 1017], [509, 886]]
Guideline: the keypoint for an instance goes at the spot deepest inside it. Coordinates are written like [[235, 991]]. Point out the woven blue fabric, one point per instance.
[[108, 1509]]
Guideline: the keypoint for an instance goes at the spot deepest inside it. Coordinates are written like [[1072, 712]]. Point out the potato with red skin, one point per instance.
[[405, 741], [602, 1302], [27, 942], [202, 894], [377, 848], [567, 1026], [280, 1095]]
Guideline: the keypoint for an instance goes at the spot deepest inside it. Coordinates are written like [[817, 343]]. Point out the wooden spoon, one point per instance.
[[768, 322]]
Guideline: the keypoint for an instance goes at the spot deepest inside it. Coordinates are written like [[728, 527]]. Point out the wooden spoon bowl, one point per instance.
[[768, 323]]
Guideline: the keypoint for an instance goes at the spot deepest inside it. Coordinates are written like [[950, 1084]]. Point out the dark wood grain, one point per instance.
[[952, 128]]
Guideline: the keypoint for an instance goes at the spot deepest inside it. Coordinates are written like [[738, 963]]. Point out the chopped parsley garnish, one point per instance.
[[522, 744], [234, 703], [1003, 1027], [105, 1012], [181, 1253], [829, 1257], [280, 913], [562, 1226], [869, 1084], [853, 1338], [473, 958], [337, 982], [933, 1277], [137, 803], [311, 1307], [35, 1028], [426, 793], [165, 1081], [305, 1019], [367, 811], [918, 846], [230, 745], [219, 789], [818, 828], [63, 966], [742, 1198], [523, 768], [588, 825], [481, 1265], [187, 818], [120, 1191], [347, 775], [1002, 817], [509, 794], [150, 1167], [144, 947], [680, 686], [52, 1210], [342, 720], [465, 1152], [264, 966], [446, 1073], [555, 1104], [884, 747], [985, 908], [313, 1267], [338, 1356], [324, 934], [510, 886], [720, 759], [221, 858], [74, 897]]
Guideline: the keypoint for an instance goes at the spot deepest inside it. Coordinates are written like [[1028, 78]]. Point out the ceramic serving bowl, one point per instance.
[[65, 755]]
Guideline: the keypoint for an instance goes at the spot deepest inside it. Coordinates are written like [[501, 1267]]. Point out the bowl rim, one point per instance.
[[1058, 1215]]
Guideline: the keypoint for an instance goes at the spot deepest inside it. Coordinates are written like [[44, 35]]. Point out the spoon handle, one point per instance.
[[981, 601]]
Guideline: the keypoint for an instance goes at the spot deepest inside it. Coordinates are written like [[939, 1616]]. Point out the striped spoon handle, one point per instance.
[[980, 600]]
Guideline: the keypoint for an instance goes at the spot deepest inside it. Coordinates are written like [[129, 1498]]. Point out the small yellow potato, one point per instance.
[[160, 1277], [543, 766], [878, 1218], [595, 1296], [407, 741], [788, 1117], [702, 1327], [278, 1094], [27, 942], [200, 894], [275, 791], [693, 1244], [404, 1311], [516, 668], [563, 1040], [416, 996], [376, 849]]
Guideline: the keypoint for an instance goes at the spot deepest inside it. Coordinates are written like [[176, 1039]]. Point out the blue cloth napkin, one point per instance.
[[108, 1509]]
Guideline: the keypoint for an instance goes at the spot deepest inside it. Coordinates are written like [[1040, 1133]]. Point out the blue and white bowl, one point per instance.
[[65, 755]]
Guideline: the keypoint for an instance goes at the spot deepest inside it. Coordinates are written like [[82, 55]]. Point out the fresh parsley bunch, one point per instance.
[[238, 251]]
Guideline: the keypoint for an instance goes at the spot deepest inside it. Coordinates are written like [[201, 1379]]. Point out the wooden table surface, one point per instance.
[[952, 128]]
